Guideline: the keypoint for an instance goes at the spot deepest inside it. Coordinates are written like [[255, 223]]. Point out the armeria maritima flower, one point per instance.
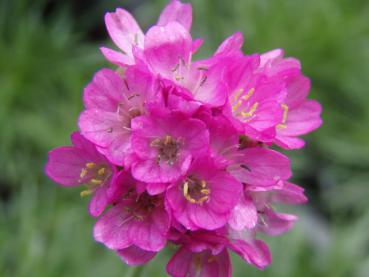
[[177, 150]]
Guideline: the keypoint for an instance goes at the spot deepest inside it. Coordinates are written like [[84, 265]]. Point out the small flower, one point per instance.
[[205, 197], [83, 164], [111, 103], [300, 115], [138, 220], [165, 146]]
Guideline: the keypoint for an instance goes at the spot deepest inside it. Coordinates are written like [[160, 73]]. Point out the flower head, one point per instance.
[[175, 149]]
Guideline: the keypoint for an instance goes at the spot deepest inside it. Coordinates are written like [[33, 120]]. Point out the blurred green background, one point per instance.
[[48, 53]]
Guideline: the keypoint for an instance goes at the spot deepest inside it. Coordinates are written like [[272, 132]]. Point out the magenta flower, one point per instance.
[[138, 220], [83, 164], [300, 115], [205, 197], [175, 149], [165, 146], [111, 103], [128, 36]]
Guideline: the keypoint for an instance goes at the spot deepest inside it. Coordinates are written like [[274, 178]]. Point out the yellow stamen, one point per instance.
[[249, 94], [203, 199], [284, 119], [101, 171], [178, 77], [86, 192], [84, 172], [95, 182], [90, 165], [205, 191], [236, 106], [238, 93], [251, 111], [285, 113]]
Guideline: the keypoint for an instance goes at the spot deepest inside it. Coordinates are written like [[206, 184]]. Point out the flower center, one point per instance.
[[195, 190], [168, 148], [241, 104], [142, 206], [94, 175]]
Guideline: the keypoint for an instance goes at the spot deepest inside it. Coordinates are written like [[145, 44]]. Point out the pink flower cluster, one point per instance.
[[176, 150]]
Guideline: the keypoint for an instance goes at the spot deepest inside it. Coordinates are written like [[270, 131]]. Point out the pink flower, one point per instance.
[[250, 164], [205, 197], [254, 105], [138, 220], [300, 115], [165, 146], [111, 103], [271, 222], [83, 164], [128, 36], [205, 264]]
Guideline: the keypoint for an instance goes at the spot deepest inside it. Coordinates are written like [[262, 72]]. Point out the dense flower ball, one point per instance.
[[176, 150]]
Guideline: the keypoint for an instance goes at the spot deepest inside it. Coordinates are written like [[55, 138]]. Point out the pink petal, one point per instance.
[[124, 30], [104, 92], [167, 47], [225, 192], [196, 44], [156, 188], [244, 215], [302, 119], [150, 171], [204, 217], [116, 57], [179, 265], [65, 164], [101, 127], [134, 255], [255, 252], [232, 45], [176, 11], [275, 224], [289, 142], [261, 167], [178, 204], [98, 202], [271, 56], [150, 234], [289, 194], [113, 227]]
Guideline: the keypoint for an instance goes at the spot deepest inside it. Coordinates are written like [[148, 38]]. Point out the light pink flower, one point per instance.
[[165, 146], [83, 164], [205, 197]]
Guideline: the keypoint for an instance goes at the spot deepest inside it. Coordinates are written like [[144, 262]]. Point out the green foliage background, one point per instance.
[[48, 53]]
